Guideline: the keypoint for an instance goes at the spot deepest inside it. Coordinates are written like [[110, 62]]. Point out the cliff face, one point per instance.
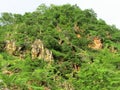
[[39, 51]]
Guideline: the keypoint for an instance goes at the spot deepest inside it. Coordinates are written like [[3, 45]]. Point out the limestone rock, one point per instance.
[[10, 46], [38, 51], [97, 44], [48, 55]]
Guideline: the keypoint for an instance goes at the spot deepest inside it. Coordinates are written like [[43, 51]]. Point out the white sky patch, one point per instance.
[[108, 10]]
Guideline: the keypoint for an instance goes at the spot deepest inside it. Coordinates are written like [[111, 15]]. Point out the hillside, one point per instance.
[[58, 48]]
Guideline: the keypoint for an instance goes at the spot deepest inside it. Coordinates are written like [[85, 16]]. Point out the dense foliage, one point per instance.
[[65, 30]]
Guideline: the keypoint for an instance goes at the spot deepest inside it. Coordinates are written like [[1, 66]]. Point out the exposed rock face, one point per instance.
[[38, 51], [12, 49], [10, 46], [48, 55], [97, 44]]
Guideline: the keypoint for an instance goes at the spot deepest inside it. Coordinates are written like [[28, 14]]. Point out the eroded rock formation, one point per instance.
[[38, 51], [96, 44], [10, 46], [12, 49]]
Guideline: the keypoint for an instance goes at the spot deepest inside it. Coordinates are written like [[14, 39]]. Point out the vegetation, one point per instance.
[[69, 33]]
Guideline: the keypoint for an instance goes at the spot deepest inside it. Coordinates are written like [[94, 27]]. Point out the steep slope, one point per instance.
[[58, 48]]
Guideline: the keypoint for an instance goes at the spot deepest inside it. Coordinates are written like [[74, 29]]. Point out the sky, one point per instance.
[[107, 10]]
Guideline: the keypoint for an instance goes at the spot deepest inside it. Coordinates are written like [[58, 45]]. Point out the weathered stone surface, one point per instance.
[[48, 55], [10, 46], [97, 44], [38, 51]]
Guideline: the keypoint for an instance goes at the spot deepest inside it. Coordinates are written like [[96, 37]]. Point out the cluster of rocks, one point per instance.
[[37, 50]]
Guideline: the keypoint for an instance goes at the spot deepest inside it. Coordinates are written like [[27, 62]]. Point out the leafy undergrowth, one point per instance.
[[103, 73]]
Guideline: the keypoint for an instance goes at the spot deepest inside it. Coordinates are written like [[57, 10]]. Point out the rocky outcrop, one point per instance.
[[10, 46], [96, 44], [39, 51], [12, 49]]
